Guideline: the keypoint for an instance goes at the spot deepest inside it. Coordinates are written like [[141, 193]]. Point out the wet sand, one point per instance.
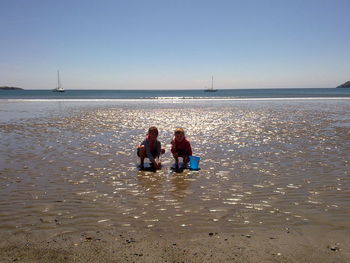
[[307, 244], [273, 185]]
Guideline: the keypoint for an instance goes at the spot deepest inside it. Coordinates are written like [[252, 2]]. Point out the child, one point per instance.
[[150, 148], [180, 147]]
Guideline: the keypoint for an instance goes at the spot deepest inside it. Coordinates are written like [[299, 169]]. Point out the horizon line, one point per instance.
[[203, 89]]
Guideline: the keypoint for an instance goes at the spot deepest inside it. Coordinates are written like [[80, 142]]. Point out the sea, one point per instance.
[[188, 94], [269, 158]]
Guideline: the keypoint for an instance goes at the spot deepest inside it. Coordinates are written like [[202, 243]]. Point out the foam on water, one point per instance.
[[169, 99]]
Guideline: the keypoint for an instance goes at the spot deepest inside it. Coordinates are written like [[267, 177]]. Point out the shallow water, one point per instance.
[[72, 167]]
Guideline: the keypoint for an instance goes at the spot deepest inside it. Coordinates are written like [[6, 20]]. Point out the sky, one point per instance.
[[174, 44]]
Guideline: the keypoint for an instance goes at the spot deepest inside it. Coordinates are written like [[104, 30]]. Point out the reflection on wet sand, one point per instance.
[[181, 182], [263, 163], [151, 183]]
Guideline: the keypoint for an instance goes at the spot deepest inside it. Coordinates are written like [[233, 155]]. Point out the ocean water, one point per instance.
[[159, 94], [69, 166]]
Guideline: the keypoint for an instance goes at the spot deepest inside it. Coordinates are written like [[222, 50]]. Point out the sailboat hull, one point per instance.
[[212, 86], [59, 87]]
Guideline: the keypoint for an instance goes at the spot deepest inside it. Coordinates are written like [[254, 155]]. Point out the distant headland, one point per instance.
[[9, 88], [345, 85]]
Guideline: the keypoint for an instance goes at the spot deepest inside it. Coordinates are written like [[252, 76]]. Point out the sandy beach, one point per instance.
[[311, 244], [273, 186]]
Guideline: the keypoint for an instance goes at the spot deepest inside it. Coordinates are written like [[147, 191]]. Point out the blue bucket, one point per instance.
[[194, 163]]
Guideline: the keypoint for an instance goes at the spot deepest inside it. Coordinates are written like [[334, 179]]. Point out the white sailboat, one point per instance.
[[212, 86], [59, 87]]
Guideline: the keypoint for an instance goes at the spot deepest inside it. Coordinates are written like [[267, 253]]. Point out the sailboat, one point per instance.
[[212, 86], [59, 87]]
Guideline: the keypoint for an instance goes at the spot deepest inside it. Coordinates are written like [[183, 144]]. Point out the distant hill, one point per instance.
[[345, 85], [9, 88]]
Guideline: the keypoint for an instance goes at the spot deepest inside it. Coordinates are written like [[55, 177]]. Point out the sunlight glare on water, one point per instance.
[[262, 163]]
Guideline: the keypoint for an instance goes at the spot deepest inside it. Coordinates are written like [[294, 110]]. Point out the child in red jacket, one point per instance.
[[180, 147]]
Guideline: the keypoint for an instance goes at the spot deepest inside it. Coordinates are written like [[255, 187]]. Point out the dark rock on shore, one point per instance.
[[345, 85], [9, 88]]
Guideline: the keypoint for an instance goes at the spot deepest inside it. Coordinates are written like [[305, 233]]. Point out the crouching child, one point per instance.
[[181, 147], [150, 148]]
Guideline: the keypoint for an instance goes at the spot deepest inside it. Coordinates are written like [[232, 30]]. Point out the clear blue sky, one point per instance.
[[174, 44]]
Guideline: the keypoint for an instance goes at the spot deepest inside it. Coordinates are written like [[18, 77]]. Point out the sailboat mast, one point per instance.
[[212, 82], [58, 79]]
